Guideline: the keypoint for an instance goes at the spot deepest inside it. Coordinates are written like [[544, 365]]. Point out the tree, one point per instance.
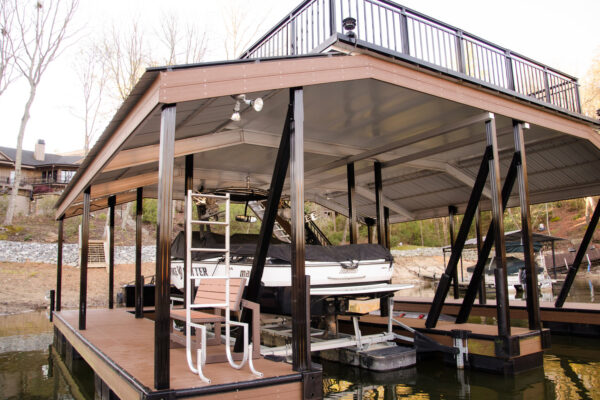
[[7, 51], [241, 30], [590, 88], [41, 29], [91, 71], [182, 46]]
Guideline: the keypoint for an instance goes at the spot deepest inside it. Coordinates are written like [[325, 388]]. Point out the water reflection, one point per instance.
[[571, 368], [29, 370]]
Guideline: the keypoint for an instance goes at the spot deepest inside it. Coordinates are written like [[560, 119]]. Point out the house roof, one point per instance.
[[49, 158]]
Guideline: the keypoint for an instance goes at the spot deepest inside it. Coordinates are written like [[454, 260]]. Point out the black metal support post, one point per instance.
[[452, 210], [332, 27], [139, 283], [85, 236], [352, 216], [482, 299], [301, 360], [531, 290], [587, 238], [188, 185], [386, 222], [252, 291], [553, 259], [444, 285], [112, 200], [164, 226], [59, 262], [478, 272], [502, 306], [379, 203]]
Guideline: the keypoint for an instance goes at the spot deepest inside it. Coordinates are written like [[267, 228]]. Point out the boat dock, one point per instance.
[[118, 347], [573, 318]]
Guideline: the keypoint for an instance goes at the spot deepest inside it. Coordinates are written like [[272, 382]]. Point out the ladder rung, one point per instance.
[[208, 250], [212, 196], [200, 222]]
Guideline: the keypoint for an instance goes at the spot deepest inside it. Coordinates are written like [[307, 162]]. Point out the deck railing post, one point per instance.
[[587, 237], [85, 236], [502, 306], [452, 210], [59, 263], [460, 56], [404, 32], [300, 325], [533, 303], [577, 97], [379, 203], [547, 85], [293, 39], [352, 217], [164, 227], [139, 283], [510, 77], [332, 27], [111, 251]]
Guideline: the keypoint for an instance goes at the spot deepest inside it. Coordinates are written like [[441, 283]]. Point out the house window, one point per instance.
[[66, 176], [12, 177]]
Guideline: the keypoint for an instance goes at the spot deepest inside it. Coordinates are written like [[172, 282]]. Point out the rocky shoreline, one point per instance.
[[22, 252]]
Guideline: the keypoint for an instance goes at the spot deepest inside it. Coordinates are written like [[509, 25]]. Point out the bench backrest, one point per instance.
[[211, 291]]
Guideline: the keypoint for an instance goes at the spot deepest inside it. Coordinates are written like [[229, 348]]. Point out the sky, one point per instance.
[[563, 35]]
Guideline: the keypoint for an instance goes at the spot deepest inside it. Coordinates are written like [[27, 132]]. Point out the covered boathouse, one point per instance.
[[380, 112]]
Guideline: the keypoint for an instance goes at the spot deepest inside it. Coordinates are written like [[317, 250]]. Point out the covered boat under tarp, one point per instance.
[[338, 273]]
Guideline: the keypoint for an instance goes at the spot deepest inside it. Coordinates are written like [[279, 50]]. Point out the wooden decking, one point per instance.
[[120, 349], [573, 313]]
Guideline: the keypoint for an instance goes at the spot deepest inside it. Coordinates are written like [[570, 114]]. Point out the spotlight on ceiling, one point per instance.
[[236, 112], [257, 104]]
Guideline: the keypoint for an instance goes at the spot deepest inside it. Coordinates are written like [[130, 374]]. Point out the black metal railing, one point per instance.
[[385, 25]]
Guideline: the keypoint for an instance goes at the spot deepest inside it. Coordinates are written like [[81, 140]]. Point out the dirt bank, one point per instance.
[[25, 285]]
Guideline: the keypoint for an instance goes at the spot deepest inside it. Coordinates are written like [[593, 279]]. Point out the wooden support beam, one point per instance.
[[457, 248], [59, 263], [112, 200], [164, 227], [301, 359], [531, 289], [502, 306], [85, 236], [451, 214], [353, 224], [139, 283], [379, 204], [486, 248]]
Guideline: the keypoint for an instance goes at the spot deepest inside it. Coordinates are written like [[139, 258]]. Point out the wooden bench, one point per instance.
[[213, 291]]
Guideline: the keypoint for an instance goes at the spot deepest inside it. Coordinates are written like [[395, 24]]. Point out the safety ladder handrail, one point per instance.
[[201, 352]]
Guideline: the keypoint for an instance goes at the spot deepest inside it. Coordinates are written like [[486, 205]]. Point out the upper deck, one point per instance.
[[390, 29]]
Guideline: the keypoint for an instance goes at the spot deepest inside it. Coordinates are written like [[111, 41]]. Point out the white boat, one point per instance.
[[337, 273]]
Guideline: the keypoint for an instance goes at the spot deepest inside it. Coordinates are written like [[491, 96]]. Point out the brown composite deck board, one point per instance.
[[129, 343]]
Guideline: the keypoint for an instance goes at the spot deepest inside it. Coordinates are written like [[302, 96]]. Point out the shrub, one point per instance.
[[555, 219], [45, 204]]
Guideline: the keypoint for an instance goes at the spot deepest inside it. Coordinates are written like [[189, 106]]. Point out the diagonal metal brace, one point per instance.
[[444, 285]]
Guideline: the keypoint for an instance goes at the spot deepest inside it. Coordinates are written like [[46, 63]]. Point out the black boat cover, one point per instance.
[[244, 245]]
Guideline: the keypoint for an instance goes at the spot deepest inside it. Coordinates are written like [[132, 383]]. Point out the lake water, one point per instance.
[[28, 370]]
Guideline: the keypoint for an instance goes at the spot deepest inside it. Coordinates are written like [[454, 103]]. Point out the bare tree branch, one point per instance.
[[42, 30], [8, 50], [241, 30], [187, 45]]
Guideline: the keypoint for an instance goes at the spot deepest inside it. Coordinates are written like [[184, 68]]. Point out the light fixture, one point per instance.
[[349, 25], [236, 112], [257, 104]]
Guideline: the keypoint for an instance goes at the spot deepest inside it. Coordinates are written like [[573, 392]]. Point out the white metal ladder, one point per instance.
[[201, 351]]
